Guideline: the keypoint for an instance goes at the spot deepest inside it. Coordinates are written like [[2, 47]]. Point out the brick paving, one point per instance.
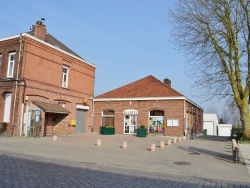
[[245, 151], [75, 161]]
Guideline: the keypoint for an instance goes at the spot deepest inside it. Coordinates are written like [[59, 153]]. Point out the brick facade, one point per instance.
[[40, 79], [173, 109], [148, 97]]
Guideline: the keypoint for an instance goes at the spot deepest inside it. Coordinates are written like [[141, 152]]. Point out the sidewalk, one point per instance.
[[245, 152], [205, 157]]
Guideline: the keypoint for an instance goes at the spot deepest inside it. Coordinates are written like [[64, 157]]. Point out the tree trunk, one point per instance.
[[245, 118]]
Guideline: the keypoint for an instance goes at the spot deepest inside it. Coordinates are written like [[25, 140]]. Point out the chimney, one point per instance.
[[40, 30], [167, 82]]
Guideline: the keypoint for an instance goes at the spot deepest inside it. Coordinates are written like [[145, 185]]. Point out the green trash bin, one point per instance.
[[205, 131]]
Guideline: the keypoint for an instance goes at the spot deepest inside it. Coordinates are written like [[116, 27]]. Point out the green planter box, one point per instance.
[[141, 132], [107, 131], [205, 131]]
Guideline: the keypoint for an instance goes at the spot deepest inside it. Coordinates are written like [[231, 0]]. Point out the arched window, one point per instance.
[[156, 121], [108, 117]]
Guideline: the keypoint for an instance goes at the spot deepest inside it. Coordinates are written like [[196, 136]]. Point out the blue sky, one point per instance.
[[125, 39]]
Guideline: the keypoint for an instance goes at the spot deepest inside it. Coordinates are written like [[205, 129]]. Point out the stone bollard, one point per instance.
[[124, 145], [54, 137], [179, 139], [152, 147], [174, 140], [162, 144], [98, 142], [169, 142], [184, 138]]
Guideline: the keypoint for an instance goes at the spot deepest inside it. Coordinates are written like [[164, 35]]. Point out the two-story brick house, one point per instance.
[[151, 103], [45, 87]]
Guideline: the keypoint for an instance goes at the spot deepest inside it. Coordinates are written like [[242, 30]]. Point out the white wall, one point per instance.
[[224, 129], [210, 122], [209, 125]]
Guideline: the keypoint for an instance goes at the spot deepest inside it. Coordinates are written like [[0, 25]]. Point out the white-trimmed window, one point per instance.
[[11, 65], [7, 105], [156, 121], [65, 76], [108, 117]]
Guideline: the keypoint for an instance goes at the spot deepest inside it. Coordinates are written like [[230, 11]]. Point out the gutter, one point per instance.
[[17, 78]]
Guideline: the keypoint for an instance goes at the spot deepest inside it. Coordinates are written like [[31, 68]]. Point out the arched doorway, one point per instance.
[[130, 121]]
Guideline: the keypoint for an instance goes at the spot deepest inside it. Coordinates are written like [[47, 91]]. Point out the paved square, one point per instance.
[[201, 162]]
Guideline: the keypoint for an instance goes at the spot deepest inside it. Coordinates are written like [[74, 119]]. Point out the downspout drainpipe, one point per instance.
[[17, 78], [92, 128], [184, 115]]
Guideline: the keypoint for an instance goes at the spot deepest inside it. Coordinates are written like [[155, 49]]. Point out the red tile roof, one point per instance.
[[145, 87]]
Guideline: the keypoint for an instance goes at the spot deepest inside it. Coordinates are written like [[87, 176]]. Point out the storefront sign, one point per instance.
[[130, 112]]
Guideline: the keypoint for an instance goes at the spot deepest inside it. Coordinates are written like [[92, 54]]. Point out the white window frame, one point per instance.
[[108, 116], [7, 107], [11, 65], [65, 77]]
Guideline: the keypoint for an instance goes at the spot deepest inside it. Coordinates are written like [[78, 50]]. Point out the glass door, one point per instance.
[[130, 124]]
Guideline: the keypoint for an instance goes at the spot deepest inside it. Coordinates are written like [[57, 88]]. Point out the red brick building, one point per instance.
[[45, 87], [148, 102]]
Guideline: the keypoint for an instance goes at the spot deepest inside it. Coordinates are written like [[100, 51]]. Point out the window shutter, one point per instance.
[[7, 106]]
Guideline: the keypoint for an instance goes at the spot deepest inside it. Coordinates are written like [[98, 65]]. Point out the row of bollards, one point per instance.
[[124, 144], [152, 146]]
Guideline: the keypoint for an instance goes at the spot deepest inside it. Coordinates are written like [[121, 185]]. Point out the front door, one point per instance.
[[34, 126], [130, 124], [80, 120]]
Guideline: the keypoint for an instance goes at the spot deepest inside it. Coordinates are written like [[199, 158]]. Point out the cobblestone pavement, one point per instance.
[[75, 161]]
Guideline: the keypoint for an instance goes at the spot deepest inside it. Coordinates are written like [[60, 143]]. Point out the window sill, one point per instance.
[[64, 88]]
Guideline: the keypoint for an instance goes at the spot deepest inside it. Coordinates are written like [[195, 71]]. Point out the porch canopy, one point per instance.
[[51, 107]]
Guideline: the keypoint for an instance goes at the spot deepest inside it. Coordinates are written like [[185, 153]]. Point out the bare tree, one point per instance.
[[211, 109], [225, 116], [234, 112], [215, 35]]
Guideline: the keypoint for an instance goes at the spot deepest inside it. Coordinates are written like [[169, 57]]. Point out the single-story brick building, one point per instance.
[[148, 102]]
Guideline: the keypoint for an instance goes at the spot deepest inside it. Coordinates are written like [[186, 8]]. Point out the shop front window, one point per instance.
[[156, 121]]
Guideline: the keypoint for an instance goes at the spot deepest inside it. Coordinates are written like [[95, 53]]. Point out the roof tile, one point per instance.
[[145, 87]]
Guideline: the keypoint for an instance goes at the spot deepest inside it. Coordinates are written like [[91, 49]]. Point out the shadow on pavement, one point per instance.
[[215, 138], [217, 155]]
